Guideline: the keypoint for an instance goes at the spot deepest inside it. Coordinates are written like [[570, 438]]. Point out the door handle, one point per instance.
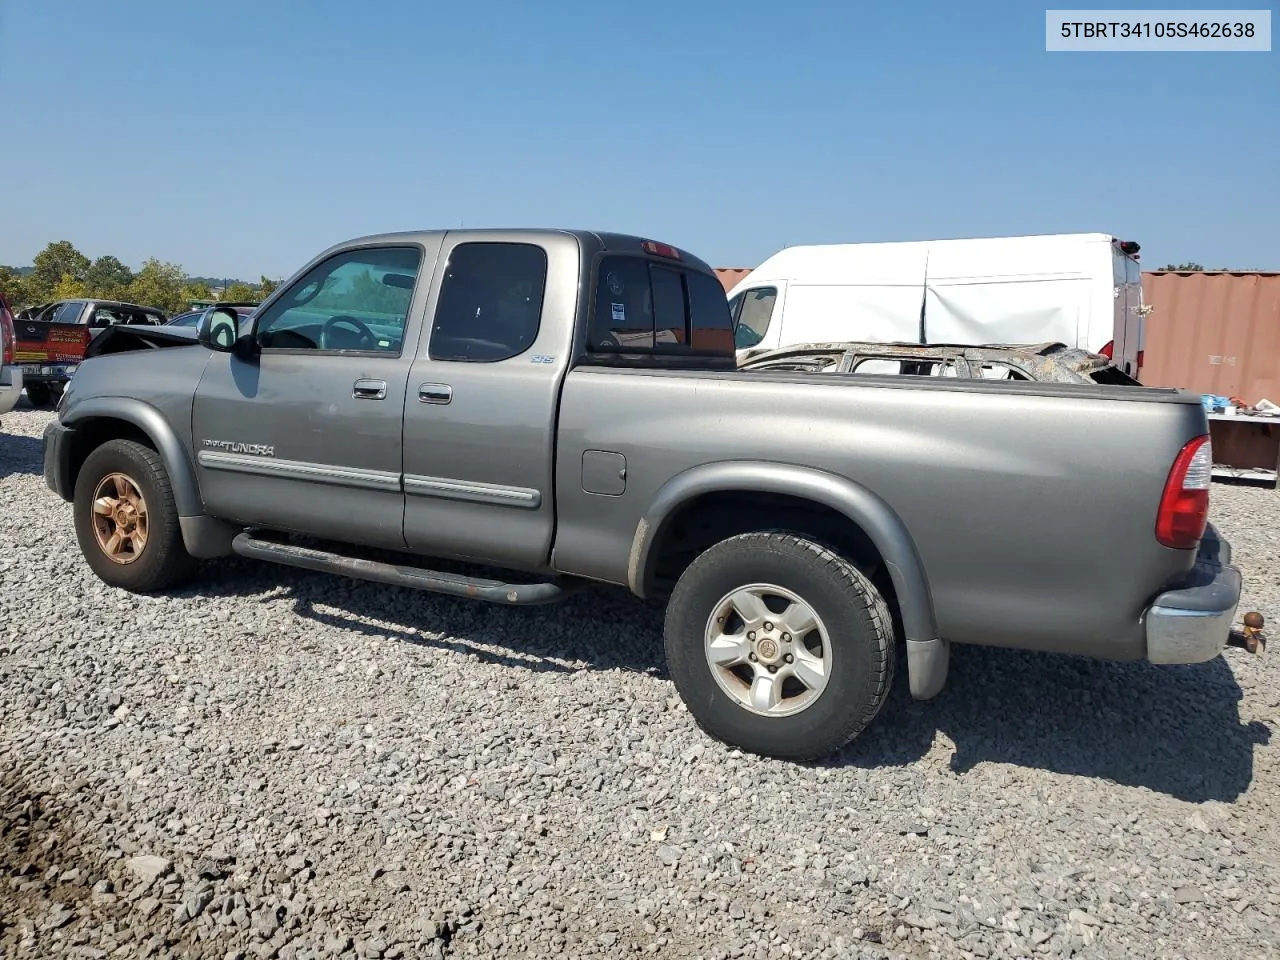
[[369, 390], [434, 393]]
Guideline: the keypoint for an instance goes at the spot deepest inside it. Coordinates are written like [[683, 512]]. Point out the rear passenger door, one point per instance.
[[480, 415]]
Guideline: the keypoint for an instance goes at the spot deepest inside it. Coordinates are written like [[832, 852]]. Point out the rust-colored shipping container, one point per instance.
[[1213, 333], [728, 276]]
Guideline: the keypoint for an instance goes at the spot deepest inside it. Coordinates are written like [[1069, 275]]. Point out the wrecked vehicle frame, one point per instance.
[[1051, 362]]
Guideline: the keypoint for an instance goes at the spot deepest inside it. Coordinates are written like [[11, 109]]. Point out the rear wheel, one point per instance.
[[126, 520], [779, 646], [39, 394]]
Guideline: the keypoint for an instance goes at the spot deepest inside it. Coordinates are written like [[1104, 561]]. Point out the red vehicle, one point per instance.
[[10, 372], [51, 345]]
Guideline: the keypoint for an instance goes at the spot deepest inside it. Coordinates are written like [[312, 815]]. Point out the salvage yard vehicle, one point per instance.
[[565, 407], [1046, 362], [52, 344], [1083, 289], [10, 372], [192, 317]]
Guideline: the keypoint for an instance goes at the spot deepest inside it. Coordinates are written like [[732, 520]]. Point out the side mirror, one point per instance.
[[219, 330]]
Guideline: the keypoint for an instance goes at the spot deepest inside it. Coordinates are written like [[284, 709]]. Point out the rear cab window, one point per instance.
[[641, 306]]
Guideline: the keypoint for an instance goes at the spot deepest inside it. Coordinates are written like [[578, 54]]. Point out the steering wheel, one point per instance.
[[361, 328]]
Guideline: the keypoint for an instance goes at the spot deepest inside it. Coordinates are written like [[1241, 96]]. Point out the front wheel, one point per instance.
[[127, 521], [779, 645]]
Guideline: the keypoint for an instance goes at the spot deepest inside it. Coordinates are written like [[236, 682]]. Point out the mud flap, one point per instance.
[[927, 665]]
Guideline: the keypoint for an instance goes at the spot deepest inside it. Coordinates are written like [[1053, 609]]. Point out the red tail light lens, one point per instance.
[[1141, 354], [7, 338], [1108, 350], [1184, 506], [661, 249]]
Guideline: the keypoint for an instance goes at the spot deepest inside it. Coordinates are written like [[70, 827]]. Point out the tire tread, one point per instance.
[[171, 565], [823, 559]]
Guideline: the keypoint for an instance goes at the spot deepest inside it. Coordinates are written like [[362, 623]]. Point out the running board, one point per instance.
[[416, 578]]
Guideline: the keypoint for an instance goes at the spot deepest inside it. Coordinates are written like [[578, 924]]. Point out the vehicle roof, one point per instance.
[[616, 242], [105, 303], [907, 262]]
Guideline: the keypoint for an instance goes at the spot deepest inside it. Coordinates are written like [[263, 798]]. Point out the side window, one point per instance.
[[68, 312], [735, 305], [104, 317], [355, 300], [490, 304], [641, 306], [753, 321]]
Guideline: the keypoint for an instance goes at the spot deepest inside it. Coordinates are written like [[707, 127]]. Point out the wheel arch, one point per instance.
[[101, 419], [868, 514]]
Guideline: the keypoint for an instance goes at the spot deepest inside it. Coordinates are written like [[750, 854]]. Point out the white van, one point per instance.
[[1081, 289]]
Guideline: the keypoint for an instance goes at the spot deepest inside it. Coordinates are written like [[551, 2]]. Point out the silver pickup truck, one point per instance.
[[564, 407]]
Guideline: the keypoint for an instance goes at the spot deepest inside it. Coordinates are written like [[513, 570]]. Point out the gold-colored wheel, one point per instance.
[[120, 518]]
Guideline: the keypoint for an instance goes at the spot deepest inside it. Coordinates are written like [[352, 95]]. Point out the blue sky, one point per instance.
[[239, 138]]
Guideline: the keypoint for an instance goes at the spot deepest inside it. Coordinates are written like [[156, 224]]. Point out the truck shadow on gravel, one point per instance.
[[1174, 730], [20, 455], [558, 638]]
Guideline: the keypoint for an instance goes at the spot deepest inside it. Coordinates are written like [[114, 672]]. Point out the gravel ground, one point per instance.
[[274, 763]]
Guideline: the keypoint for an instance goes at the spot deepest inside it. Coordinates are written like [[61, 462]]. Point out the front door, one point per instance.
[[479, 427], [306, 436]]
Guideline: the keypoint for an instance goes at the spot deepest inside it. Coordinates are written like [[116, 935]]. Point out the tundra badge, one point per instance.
[[233, 446]]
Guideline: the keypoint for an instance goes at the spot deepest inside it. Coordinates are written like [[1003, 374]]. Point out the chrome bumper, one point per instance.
[[1192, 623]]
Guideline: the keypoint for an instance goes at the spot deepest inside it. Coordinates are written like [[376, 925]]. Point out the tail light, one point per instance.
[[1184, 506], [1108, 349], [1141, 354], [7, 338]]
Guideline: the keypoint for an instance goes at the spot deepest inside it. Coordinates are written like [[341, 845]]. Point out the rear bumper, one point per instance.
[[48, 372], [57, 459], [1192, 623]]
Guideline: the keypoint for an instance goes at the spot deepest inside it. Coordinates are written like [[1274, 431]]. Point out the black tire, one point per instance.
[[39, 394], [162, 561], [859, 629]]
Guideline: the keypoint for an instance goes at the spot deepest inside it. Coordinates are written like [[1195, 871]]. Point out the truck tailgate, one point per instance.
[[42, 343]]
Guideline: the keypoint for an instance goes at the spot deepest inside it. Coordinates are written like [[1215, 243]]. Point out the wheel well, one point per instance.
[[706, 520], [91, 434]]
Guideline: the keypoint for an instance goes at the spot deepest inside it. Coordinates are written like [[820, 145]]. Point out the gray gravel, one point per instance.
[[278, 764]]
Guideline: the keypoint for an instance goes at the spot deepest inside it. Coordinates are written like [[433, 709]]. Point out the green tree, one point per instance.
[[15, 288], [197, 291], [107, 277], [266, 287], [159, 284], [1183, 267], [54, 262], [240, 291], [69, 287]]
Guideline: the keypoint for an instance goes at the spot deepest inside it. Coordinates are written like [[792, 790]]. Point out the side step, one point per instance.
[[474, 588]]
